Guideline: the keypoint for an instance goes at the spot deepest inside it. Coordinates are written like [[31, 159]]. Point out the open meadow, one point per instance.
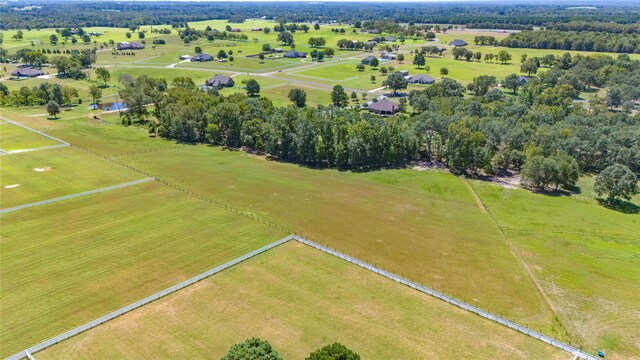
[[299, 299], [66, 263]]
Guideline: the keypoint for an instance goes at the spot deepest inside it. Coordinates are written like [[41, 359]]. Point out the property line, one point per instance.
[[34, 130], [72, 196], [578, 354], [485, 314], [101, 320], [33, 149]]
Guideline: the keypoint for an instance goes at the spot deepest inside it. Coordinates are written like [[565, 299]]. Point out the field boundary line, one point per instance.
[[19, 151], [460, 304], [523, 264], [73, 196], [34, 130], [103, 319]]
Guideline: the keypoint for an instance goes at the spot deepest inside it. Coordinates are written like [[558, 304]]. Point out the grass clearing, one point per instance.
[[403, 220], [586, 257], [299, 299], [67, 263], [14, 137], [47, 174]]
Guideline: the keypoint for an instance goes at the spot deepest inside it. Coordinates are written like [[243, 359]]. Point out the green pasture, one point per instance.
[[47, 174], [403, 220], [587, 258], [300, 299], [67, 263], [15, 138]]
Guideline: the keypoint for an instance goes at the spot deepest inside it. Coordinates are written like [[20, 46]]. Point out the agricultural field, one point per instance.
[[66, 263], [585, 256], [299, 299]]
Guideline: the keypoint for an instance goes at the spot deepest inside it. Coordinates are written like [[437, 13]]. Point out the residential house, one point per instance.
[[294, 54], [421, 79], [234, 30], [374, 31], [27, 72], [185, 57], [390, 39], [458, 42], [277, 50], [404, 73], [129, 46], [219, 81], [257, 29], [202, 57], [384, 107], [388, 56], [368, 60]]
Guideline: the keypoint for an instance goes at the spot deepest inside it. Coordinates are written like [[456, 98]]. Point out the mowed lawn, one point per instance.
[[67, 263], [16, 138], [300, 299], [425, 226], [40, 175], [587, 258]]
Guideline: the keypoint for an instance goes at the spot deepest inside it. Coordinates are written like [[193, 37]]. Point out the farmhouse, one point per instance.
[[368, 60], [185, 57], [202, 57], [523, 79], [219, 81], [257, 29], [421, 79], [458, 42], [403, 72], [27, 72], [388, 56], [374, 31], [294, 54], [129, 46], [234, 30], [277, 50], [384, 107], [390, 39]]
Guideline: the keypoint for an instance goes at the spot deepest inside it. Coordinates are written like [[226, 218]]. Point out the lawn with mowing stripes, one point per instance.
[[425, 226], [40, 175], [587, 258], [13, 137], [67, 263], [299, 299]]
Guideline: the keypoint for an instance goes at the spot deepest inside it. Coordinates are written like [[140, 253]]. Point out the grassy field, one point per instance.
[[416, 217], [66, 263], [46, 174], [299, 299], [13, 137], [586, 256]]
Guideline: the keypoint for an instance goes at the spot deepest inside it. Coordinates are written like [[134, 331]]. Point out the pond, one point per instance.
[[109, 106]]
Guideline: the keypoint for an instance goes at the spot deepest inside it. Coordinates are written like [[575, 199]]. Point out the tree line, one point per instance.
[[574, 40]]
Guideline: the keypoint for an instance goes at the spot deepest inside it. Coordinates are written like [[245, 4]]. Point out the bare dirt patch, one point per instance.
[[42, 169]]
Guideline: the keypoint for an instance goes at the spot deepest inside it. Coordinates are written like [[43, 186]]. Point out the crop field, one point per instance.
[[284, 298], [40, 175], [586, 257], [66, 263], [16, 138]]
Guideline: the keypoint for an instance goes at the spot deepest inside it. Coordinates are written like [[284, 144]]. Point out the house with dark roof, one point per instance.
[[404, 73], [202, 57], [523, 79], [27, 72], [368, 60], [294, 54], [219, 81], [388, 56], [384, 107], [256, 29], [458, 42], [421, 79], [234, 30], [374, 31], [390, 39], [277, 50], [129, 46]]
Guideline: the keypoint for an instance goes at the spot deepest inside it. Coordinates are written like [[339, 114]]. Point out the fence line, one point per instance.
[[19, 151], [485, 314], [72, 196], [101, 320], [34, 130]]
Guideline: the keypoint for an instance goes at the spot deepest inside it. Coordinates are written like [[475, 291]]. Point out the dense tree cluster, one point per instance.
[[573, 40], [38, 95], [608, 27], [125, 14]]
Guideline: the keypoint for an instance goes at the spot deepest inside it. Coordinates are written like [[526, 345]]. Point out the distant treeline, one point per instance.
[[607, 27], [126, 14], [572, 40]]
